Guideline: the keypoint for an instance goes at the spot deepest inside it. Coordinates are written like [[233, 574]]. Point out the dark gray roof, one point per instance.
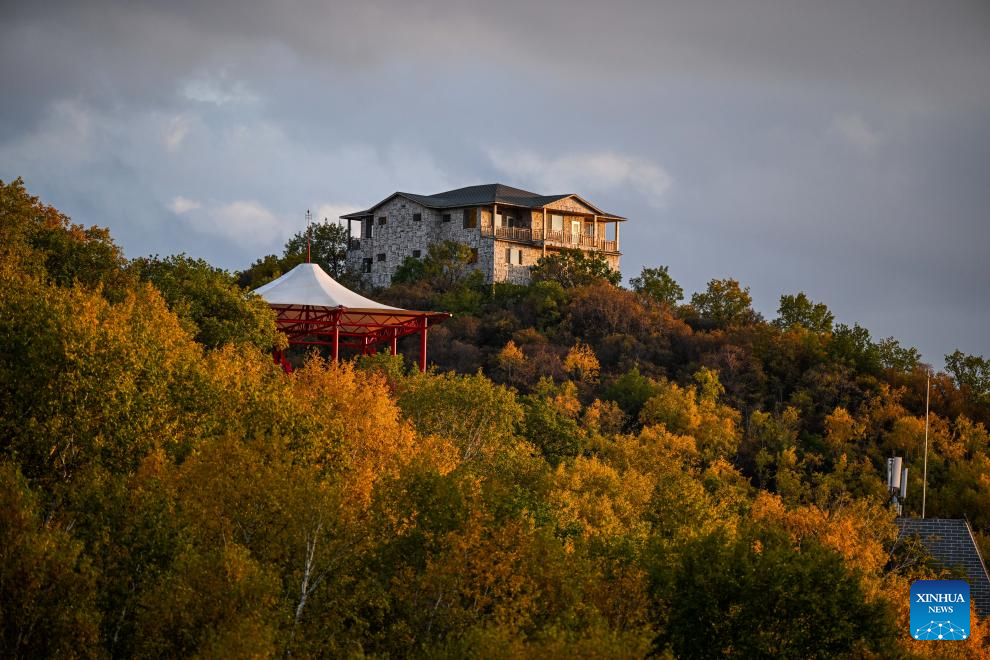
[[489, 193], [950, 540]]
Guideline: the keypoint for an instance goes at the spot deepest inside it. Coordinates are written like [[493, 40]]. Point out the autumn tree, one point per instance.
[[40, 240], [582, 363], [480, 417]]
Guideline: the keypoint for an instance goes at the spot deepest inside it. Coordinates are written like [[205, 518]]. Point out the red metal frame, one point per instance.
[[308, 325]]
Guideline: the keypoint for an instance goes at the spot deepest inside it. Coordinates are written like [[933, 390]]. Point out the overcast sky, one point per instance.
[[836, 148]]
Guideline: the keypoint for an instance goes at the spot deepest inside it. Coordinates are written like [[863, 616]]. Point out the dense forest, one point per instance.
[[587, 471]]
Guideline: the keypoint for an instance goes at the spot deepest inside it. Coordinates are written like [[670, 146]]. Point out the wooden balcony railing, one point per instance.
[[556, 237], [514, 233], [566, 238]]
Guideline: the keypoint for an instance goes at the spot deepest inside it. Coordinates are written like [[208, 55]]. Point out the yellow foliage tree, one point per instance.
[[582, 363]]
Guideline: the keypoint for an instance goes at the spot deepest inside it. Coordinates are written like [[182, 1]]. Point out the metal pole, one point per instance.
[[924, 478], [422, 346], [309, 236]]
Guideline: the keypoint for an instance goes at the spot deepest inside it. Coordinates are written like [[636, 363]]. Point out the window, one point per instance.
[[367, 228], [416, 254], [513, 256], [381, 256], [470, 218], [382, 219], [417, 217], [446, 217], [474, 256], [366, 265], [557, 222]]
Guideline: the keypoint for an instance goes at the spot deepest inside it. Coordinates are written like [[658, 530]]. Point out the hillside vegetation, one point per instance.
[[589, 472]]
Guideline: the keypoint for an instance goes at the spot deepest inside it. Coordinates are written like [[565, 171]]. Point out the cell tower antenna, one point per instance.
[[309, 237], [897, 476]]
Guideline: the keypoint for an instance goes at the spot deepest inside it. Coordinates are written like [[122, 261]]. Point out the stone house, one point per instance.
[[508, 230]]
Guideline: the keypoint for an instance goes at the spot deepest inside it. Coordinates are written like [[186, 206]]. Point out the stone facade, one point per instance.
[[401, 235], [516, 273], [394, 234]]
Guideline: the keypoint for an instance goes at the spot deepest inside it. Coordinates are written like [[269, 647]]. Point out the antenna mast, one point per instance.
[[897, 477], [924, 478], [309, 237]]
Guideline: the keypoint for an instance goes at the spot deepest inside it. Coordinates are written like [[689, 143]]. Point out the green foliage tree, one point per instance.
[[758, 596], [573, 267], [631, 391], [327, 244], [447, 266], [47, 585], [854, 346], [553, 430], [724, 303], [799, 310], [896, 357], [971, 373], [265, 269], [327, 241], [657, 286], [213, 308]]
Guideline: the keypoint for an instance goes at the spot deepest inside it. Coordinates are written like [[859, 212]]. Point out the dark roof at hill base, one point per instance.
[[483, 195], [950, 540]]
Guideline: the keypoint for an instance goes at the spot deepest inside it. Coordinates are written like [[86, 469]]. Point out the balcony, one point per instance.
[[554, 237], [353, 243], [569, 239], [524, 234]]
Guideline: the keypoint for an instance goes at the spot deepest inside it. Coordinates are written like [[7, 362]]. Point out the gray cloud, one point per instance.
[[840, 148]]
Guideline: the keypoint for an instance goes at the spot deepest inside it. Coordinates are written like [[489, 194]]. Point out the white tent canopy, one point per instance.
[[312, 308], [308, 285], [307, 299]]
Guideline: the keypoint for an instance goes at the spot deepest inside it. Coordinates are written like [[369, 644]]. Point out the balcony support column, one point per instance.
[[616, 235], [544, 231], [594, 235]]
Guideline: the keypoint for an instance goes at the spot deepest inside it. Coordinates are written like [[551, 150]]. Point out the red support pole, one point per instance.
[[422, 346], [336, 342]]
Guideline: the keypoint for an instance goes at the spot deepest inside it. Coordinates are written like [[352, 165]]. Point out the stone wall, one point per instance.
[[571, 205], [401, 235], [515, 273]]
